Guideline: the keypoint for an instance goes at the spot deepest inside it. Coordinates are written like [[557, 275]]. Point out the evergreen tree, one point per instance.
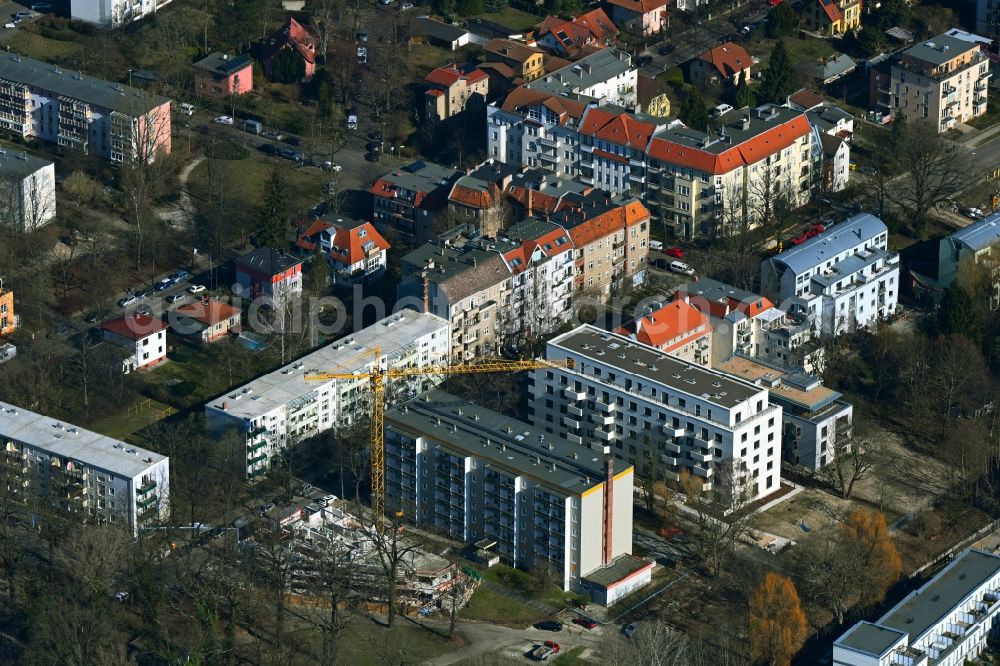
[[272, 213], [959, 315], [287, 67], [318, 273], [693, 111], [745, 96], [779, 77], [782, 21]]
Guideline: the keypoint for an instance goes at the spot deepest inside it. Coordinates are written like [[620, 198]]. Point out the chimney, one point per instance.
[[528, 196], [427, 293], [609, 495]]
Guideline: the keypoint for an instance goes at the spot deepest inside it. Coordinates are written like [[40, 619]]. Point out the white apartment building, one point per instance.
[[843, 278], [533, 497], [27, 190], [656, 410], [113, 13], [943, 80], [605, 76], [73, 110], [282, 408], [98, 478], [944, 623], [536, 129]]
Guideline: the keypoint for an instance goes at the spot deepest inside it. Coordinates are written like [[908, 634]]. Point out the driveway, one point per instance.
[[483, 638]]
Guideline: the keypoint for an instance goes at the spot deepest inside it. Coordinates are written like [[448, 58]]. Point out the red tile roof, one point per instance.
[[473, 198], [543, 203], [594, 26], [728, 59], [448, 75], [209, 311], [621, 128], [546, 244], [349, 243], [522, 98], [135, 326], [639, 6], [598, 23], [831, 9], [301, 39], [673, 320], [607, 223], [805, 98]]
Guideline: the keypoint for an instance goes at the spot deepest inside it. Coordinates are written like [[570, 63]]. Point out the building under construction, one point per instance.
[[531, 497]]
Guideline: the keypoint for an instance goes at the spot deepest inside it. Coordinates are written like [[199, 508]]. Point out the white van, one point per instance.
[[721, 110], [252, 126], [655, 245], [187, 109], [352, 122], [681, 267]]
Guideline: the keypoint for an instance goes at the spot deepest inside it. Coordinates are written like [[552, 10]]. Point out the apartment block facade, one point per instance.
[[843, 279], [536, 498], [27, 190], [606, 75], [945, 622], [8, 317], [284, 407], [87, 475], [113, 13], [943, 81], [451, 87], [407, 198], [80, 112], [659, 413]]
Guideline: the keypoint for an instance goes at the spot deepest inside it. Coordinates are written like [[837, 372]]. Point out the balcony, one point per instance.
[[146, 501], [257, 446], [699, 456], [548, 142], [256, 460], [146, 487], [702, 472], [547, 157], [601, 407], [576, 439], [572, 394], [574, 411], [672, 447], [673, 431], [603, 420], [572, 423], [604, 436]]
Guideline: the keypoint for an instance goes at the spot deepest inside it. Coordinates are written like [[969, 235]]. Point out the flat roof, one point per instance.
[[19, 164], [348, 354], [923, 608], [421, 176], [731, 132], [470, 429], [939, 50], [618, 570], [870, 638], [815, 398], [79, 86], [856, 230], [980, 234], [639, 360], [604, 64], [66, 440], [223, 63]]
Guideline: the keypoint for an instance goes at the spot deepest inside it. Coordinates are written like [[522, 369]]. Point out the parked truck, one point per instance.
[[544, 651]]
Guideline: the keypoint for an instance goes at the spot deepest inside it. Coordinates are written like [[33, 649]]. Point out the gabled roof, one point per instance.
[[448, 75], [134, 326], [639, 6], [622, 129], [300, 39], [831, 10], [830, 143], [573, 35], [727, 59], [587, 220], [510, 48], [722, 300], [522, 98], [598, 23], [674, 320], [208, 311], [352, 244], [527, 237], [853, 232], [805, 99]]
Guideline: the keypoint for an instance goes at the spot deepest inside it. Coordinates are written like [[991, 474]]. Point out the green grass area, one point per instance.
[[247, 178], [800, 50], [512, 18], [571, 658], [490, 606], [365, 643], [42, 48], [133, 418]]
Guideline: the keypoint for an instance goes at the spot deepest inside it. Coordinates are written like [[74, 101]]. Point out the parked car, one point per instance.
[[164, 284], [629, 629], [352, 122], [681, 267], [674, 252], [175, 298], [331, 166], [371, 157], [127, 300], [305, 489], [252, 126], [642, 61], [20, 16], [186, 109], [405, 6], [549, 625], [224, 120], [9, 25], [272, 135], [326, 500], [292, 140], [179, 276], [289, 154], [264, 508], [143, 293], [584, 622], [544, 651], [721, 110], [666, 49], [385, 2], [195, 289], [121, 597], [268, 148], [362, 52]]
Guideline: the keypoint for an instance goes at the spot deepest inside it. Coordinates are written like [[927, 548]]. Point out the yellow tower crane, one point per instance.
[[377, 379]]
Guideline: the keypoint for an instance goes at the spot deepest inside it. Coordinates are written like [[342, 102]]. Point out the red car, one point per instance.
[[584, 622], [674, 252]]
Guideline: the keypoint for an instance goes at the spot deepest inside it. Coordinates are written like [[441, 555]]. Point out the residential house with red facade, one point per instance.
[[640, 17], [221, 75], [293, 36]]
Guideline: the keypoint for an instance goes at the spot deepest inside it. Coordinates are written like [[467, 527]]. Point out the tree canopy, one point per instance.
[[777, 627], [779, 77], [694, 112]]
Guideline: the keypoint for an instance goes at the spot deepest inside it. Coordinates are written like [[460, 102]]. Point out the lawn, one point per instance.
[[571, 658], [800, 50], [490, 606], [512, 18], [42, 48], [365, 643], [134, 418], [246, 177]]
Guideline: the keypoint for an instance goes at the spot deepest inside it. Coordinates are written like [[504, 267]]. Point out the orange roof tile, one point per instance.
[[639, 6], [349, 243], [449, 75], [598, 23], [831, 10], [607, 223], [472, 198], [209, 311], [728, 59], [521, 98], [622, 128], [673, 320], [134, 326]]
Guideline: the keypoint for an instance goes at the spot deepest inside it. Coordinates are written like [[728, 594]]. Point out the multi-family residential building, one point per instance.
[[971, 244], [526, 63], [660, 413], [8, 317], [988, 17], [690, 5], [355, 250], [27, 190], [479, 475], [575, 37], [143, 338], [832, 129], [113, 13], [729, 63], [467, 287], [945, 622], [83, 473], [676, 328], [221, 75], [451, 88], [816, 420], [407, 199], [283, 407], [844, 278], [207, 320], [640, 17], [269, 274], [943, 80], [832, 17], [478, 199], [606, 75], [537, 191], [47, 102]]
